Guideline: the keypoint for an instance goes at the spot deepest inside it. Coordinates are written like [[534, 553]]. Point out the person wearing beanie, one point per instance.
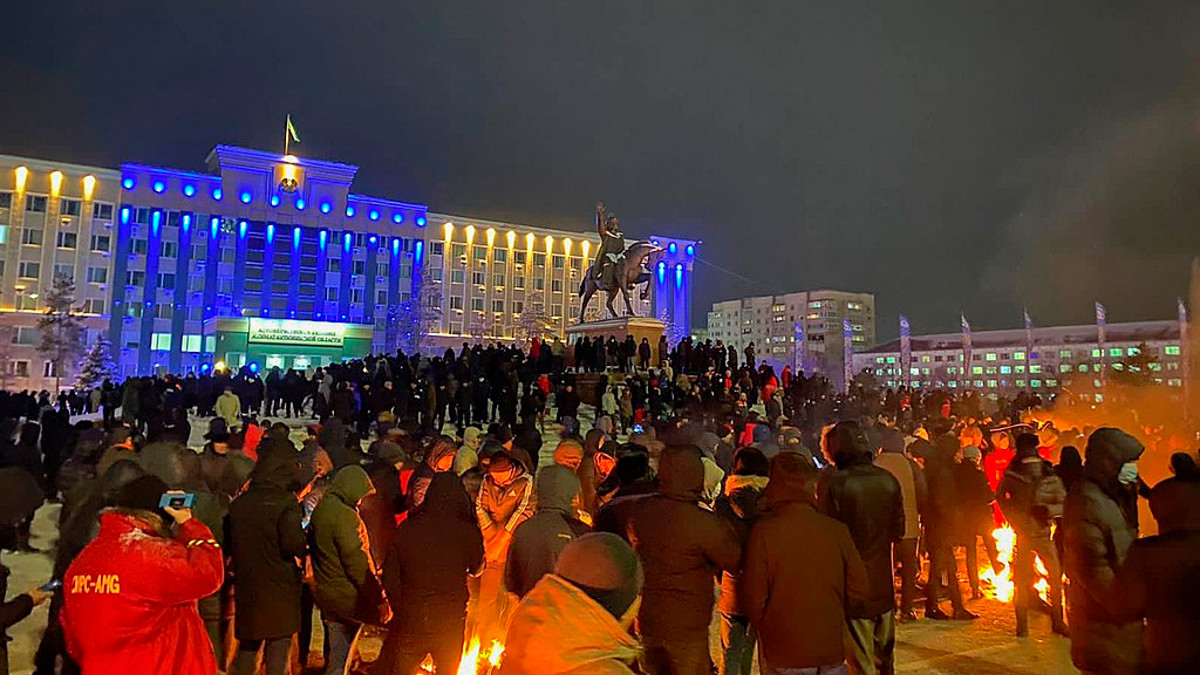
[[801, 575], [913, 491], [569, 454], [1099, 530], [976, 499], [141, 579], [868, 500], [537, 542], [577, 619], [683, 547]]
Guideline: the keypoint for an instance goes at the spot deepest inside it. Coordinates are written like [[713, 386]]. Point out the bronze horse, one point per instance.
[[631, 270]]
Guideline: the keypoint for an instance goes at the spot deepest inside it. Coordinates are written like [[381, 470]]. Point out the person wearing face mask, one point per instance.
[[577, 619], [505, 501], [1098, 534]]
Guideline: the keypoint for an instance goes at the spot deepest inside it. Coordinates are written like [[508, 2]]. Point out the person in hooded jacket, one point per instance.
[[537, 542], [682, 547], [346, 586], [1157, 581], [425, 576], [576, 621], [1098, 532], [868, 500], [439, 459], [265, 539], [801, 575], [140, 580], [740, 507]]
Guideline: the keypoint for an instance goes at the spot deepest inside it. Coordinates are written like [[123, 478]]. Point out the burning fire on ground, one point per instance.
[[475, 660], [1000, 582]]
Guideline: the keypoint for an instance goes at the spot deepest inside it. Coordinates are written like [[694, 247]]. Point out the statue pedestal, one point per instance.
[[638, 327]]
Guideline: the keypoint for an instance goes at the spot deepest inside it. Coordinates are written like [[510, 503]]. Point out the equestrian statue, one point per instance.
[[617, 268]]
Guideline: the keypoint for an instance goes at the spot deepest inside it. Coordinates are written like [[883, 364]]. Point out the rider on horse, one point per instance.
[[612, 245]]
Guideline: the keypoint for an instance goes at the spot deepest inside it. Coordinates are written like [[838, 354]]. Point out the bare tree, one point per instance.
[[98, 364], [410, 325], [533, 322], [61, 327]]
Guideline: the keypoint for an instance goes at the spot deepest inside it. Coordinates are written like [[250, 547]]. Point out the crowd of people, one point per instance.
[[424, 505]]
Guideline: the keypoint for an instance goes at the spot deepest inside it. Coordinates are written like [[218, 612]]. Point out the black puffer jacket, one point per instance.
[[1098, 534], [868, 501], [434, 550], [265, 539]]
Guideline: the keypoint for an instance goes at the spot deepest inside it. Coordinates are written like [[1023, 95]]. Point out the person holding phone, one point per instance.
[[140, 580], [17, 609]]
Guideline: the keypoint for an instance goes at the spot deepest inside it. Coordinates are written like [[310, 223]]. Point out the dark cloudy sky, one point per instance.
[[944, 154]]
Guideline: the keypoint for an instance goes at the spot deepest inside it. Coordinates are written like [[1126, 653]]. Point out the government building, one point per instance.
[[271, 260]]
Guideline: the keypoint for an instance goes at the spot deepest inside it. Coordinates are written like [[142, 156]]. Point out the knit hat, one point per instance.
[[568, 453], [603, 566], [971, 452], [391, 453], [142, 493]]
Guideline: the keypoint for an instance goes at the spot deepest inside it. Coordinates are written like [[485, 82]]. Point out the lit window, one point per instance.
[[991, 356], [1171, 350], [160, 341], [1018, 356]]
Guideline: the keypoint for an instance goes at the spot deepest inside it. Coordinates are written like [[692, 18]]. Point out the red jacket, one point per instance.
[[129, 602]]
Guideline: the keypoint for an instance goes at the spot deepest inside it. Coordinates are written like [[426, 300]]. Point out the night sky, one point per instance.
[[946, 155]]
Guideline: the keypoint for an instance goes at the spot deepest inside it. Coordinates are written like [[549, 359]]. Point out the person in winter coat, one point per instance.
[[380, 509], [740, 507], [800, 575], [467, 455], [1098, 534], [439, 459], [913, 491], [868, 500], [229, 408], [977, 521], [179, 468], [265, 539], [683, 547], [577, 620], [941, 520], [1022, 494], [425, 575], [346, 586], [537, 542], [1157, 581], [14, 610], [506, 499], [74, 533], [140, 583]]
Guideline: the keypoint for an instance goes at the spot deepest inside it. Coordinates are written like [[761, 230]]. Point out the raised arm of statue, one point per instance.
[[600, 229]]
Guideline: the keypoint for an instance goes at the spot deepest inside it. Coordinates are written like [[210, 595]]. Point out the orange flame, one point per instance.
[[1000, 581]]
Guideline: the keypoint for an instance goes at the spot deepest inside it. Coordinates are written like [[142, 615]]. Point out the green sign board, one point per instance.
[[294, 332]]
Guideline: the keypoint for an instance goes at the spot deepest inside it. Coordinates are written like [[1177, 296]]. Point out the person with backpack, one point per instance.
[[1031, 495]]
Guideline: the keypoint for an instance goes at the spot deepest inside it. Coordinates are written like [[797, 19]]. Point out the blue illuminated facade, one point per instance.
[[185, 255]]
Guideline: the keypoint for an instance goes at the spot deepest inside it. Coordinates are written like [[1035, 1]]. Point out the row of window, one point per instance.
[[66, 207]]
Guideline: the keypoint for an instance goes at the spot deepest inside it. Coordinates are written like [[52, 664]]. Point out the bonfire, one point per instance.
[[475, 660], [1000, 582]]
